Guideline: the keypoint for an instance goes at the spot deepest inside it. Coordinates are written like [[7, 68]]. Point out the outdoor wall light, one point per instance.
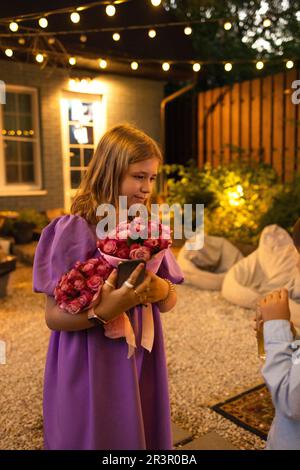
[[102, 64], [13, 26], [75, 17], [110, 10], [43, 22]]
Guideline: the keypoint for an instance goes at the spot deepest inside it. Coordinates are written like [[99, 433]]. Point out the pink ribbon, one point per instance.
[[121, 326]]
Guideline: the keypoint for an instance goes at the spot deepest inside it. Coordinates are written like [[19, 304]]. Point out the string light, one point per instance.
[[156, 3], [267, 23], [289, 64], [43, 22], [75, 17], [116, 37], [39, 58], [188, 30], [166, 66], [151, 33], [21, 41], [228, 67], [83, 38], [260, 65], [110, 10], [102, 63], [51, 41], [227, 25], [13, 26], [9, 52], [196, 67], [134, 65], [72, 60]]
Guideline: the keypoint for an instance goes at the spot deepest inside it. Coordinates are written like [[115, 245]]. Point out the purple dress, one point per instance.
[[94, 397]]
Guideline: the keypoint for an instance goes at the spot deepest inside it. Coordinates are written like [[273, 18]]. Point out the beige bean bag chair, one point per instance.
[[206, 268], [271, 266]]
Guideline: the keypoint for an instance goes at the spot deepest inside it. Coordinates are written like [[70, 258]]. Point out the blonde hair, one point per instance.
[[118, 148]]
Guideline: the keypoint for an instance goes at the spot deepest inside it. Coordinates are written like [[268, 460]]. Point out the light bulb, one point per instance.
[[21, 41], [9, 52], [110, 10], [227, 25], [39, 58], [267, 23], [51, 41], [134, 65], [75, 17], [72, 60], [152, 33], [166, 66], [188, 31], [116, 37], [14, 26], [259, 65], [228, 67], [102, 63], [83, 38], [43, 22], [289, 64], [156, 3], [196, 67]]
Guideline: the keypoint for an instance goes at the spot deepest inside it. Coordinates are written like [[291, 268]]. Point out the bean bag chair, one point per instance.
[[206, 268], [273, 265]]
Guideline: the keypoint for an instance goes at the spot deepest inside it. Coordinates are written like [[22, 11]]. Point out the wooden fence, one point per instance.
[[255, 118]]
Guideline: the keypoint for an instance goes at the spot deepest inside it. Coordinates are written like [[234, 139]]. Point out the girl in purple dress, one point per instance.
[[94, 396]]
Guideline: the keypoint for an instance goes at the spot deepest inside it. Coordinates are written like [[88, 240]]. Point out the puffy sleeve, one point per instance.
[[170, 269], [64, 241]]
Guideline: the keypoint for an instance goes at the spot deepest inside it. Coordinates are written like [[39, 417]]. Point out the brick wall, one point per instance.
[[133, 100]]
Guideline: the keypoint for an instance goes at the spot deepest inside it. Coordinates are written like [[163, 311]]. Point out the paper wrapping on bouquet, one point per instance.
[[121, 326]]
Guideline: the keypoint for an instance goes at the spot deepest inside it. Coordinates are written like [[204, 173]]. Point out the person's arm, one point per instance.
[[169, 304], [59, 320], [281, 371]]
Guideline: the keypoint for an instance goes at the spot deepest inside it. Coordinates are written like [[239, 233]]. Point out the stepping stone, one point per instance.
[[180, 435], [210, 441]]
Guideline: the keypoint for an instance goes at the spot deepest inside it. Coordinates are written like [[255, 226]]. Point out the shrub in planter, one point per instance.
[[27, 221]]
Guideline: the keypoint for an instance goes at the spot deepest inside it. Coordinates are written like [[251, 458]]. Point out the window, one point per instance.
[[19, 141]]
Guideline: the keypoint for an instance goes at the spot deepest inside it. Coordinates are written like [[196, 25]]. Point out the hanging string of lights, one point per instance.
[[166, 65]]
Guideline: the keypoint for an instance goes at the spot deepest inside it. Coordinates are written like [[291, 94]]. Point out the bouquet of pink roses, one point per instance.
[[79, 288], [131, 240]]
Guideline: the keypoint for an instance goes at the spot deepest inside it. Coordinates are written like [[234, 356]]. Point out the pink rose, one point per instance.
[[93, 261], [79, 284], [103, 270], [73, 275], [143, 252], [74, 306], [88, 269], [66, 287], [85, 298], [123, 252], [152, 243], [94, 282], [110, 247]]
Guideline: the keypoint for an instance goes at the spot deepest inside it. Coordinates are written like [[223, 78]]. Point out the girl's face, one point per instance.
[[137, 184]]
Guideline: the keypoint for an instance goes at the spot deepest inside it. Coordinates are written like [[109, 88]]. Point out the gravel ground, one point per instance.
[[211, 354]]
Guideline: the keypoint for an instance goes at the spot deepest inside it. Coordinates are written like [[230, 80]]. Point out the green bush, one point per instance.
[[235, 196]]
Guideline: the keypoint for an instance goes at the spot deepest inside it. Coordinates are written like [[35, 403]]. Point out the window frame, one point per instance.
[[23, 188]]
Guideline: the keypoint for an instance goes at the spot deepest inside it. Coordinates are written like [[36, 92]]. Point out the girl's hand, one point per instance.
[[159, 289], [275, 306], [113, 302]]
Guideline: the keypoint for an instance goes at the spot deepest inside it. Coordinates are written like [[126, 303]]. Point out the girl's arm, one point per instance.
[[59, 320], [171, 302]]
